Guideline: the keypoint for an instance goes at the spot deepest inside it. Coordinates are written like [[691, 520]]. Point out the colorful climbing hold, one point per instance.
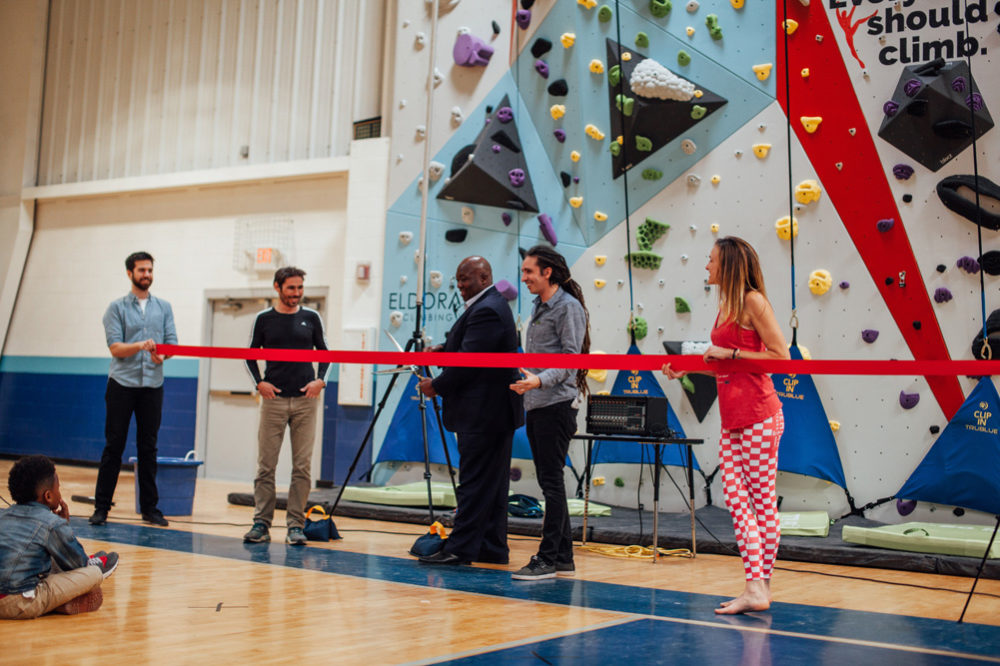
[[942, 295], [690, 31], [811, 123], [820, 281], [869, 335], [567, 39], [604, 14], [638, 327], [575, 156], [559, 134], [790, 26], [596, 66], [714, 228], [698, 111], [643, 144], [688, 147], [594, 133], [548, 230], [542, 68], [908, 400], [762, 71], [683, 58], [576, 202], [523, 18], [805, 72], [660, 8], [557, 111], [600, 217], [642, 40], [600, 259], [651, 174], [785, 230], [807, 192], [614, 75], [587, 4], [680, 305], [885, 224], [737, 4], [625, 104], [716, 179], [761, 150], [599, 283]]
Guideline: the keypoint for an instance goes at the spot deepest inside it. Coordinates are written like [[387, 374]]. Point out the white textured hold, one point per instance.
[[652, 80], [694, 180], [435, 169], [405, 237], [438, 77], [688, 146], [436, 278], [456, 116], [692, 6]]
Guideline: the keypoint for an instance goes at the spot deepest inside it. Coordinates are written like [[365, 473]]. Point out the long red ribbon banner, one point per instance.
[[599, 361]]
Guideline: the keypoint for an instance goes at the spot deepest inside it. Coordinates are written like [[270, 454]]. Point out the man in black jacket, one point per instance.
[[481, 409]]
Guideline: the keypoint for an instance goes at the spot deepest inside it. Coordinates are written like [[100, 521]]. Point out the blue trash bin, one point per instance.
[[175, 482]]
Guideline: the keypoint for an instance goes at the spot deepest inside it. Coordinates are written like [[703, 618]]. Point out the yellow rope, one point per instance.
[[636, 552]]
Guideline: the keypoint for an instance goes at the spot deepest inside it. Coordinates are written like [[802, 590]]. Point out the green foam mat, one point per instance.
[[805, 523], [407, 494], [940, 538]]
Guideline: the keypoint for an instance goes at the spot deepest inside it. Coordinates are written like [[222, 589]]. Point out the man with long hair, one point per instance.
[[559, 324]]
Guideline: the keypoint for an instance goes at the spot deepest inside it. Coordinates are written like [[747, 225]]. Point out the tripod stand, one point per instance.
[[415, 343]]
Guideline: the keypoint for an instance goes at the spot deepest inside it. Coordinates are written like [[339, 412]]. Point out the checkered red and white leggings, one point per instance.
[[749, 466]]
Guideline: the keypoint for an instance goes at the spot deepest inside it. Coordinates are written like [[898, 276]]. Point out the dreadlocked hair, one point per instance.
[[546, 257]]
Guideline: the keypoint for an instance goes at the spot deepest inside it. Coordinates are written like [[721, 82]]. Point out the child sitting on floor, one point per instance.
[[35, 539]]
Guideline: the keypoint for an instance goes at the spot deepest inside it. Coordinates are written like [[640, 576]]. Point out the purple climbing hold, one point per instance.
[[507, 290], [549, 231], [890, 108], [869, 335], [845, 285], [908, 400], [912, 87], [968, 264], [515, 474], [576, 179], [560, 135], [517, 177], [505, 114], [523, 18], [507, 219], [886, 224], [905, 507], [974, 101], [902, 171], [958, 85], [542, 68], [471, 51], [496, 148], [942, 295]]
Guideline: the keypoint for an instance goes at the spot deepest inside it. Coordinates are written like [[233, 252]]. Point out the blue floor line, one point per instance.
[[818, 621]]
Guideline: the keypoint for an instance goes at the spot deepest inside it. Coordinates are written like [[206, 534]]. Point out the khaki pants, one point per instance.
[[299, 414], [54, 590]]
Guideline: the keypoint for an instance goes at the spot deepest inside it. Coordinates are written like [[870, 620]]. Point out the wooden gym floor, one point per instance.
[[194, 593]]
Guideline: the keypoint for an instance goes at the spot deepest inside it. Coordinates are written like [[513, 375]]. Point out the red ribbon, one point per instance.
[[587, 361]]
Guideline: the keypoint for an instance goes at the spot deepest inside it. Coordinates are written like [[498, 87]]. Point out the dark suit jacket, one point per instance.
[[479, 399]]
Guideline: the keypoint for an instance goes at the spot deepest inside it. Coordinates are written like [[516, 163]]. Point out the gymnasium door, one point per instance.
[[233, 407]]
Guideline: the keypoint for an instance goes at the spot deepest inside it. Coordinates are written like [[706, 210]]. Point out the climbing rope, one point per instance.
[[624, 161], [635, 552], [794, 319]]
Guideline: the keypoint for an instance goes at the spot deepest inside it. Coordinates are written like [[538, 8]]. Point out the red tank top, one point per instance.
[[745, 398]]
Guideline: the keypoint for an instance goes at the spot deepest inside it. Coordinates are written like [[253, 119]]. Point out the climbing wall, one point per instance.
[[877, 253]]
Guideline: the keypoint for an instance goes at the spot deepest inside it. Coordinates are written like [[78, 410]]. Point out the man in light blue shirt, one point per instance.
[[133, 326]]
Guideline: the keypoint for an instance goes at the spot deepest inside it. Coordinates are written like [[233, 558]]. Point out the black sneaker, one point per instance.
[[257, 534], [107, 562], [154, 517], [99, 517], [536, 569], [565, 569]]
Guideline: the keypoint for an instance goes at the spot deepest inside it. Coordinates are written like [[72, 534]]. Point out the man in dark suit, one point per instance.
[[483, 412]]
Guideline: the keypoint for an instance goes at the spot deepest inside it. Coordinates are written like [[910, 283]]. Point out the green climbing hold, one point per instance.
[[652, 230], [711, 20], [651, 174], [614, 75], [698, 111], [642, 40], [687, 384], [604, 14], [644, 259], [643, 144], [683, 58], [680, 305], [627, 102], [638, 327], [615, 148], [659, 8], [619, 482], [716, 33]]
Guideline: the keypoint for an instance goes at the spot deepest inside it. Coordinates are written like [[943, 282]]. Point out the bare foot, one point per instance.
[[744, 604], [730, 602], [85, 603]]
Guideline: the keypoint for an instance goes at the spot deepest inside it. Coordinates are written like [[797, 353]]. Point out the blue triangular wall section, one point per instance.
[[963, 466], [631, 382], [404, 440], [808, 446]]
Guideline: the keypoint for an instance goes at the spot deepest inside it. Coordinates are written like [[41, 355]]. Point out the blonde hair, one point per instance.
[[739, 272]]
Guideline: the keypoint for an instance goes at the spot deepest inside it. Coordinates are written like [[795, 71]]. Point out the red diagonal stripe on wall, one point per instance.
[[859, 190]]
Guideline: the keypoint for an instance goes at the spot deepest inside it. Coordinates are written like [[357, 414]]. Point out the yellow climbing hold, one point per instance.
[[690, 31], [714, 227], [599, 480], [594, 133], [820, 281], [599, 283], [557, 111], [587, 4], [716, 179], [576, 202], [807, 192], [597, 374], [596, 66], [575, 156], [568, 39], [620, 140], [737, 4], [600, 259], [600, 217], [806, 354], [790, 26], [811, 123], [762, 71], [698, 94], [761, 150], [805, 72], [834, 425], [782, 228], [626, 56]]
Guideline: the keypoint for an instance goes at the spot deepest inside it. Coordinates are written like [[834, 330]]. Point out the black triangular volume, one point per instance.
[[480, 174], [661, 121], [705, 389]]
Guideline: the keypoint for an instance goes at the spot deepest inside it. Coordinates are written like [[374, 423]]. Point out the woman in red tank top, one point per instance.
[[752, 422]]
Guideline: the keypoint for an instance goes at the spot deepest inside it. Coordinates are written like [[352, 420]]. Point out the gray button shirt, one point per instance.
[[124, 321], [557, 327]]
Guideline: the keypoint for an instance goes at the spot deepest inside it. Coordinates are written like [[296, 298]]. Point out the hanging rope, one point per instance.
[[516, 59], [794, 320], [624, 161]]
